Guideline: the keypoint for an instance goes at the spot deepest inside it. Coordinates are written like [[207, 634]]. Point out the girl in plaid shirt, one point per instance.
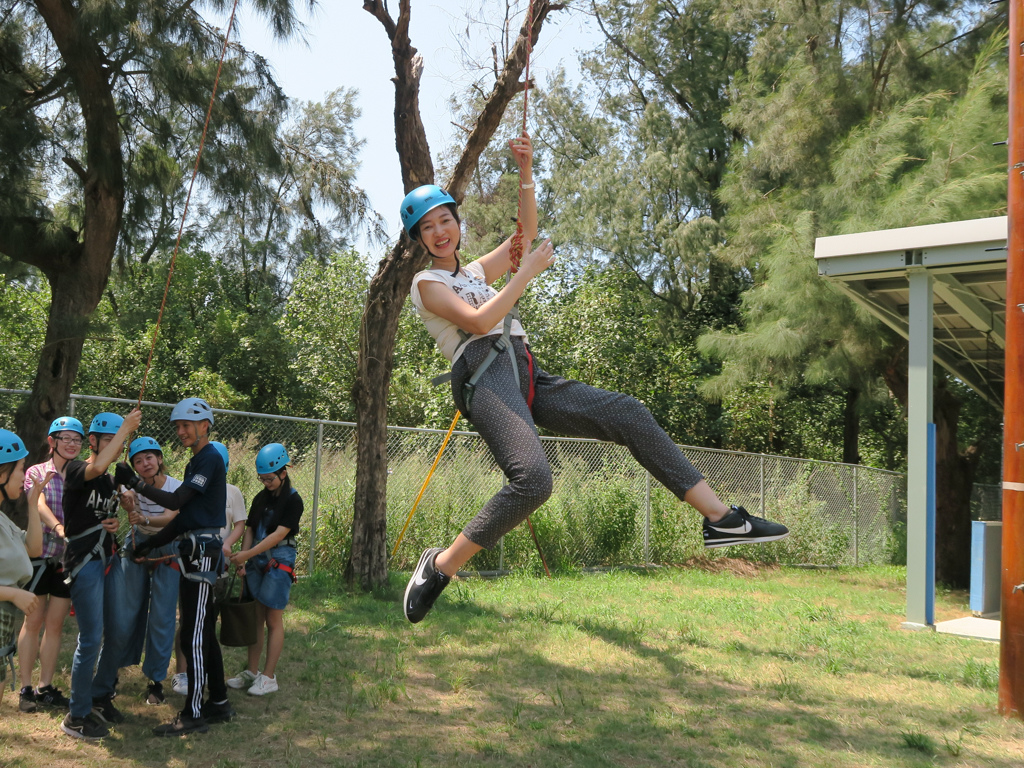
[[65, 441]]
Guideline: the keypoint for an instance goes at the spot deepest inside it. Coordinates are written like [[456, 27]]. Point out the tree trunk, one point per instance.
[[954, 476], [851, 427], [78, 268], [367, 565]]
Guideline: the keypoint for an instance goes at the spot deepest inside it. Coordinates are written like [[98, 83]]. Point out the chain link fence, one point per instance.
[[605, 510]]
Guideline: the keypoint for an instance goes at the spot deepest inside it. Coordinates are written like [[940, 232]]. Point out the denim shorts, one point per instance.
[[270, 587]]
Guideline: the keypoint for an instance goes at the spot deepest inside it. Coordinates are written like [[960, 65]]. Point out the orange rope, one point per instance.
[[181, 226], [188, 198]]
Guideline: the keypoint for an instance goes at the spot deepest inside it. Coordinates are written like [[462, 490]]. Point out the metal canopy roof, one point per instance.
[[968, 262]]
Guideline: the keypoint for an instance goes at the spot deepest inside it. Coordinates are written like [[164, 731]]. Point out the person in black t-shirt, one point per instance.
[[200, 499], [97, 579], [269, 550]]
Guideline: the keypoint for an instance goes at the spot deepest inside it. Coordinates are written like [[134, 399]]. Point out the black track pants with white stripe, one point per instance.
[[203, 661], [498, 411]]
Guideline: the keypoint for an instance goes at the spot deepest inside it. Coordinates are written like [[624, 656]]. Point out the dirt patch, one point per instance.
[[734, 565]]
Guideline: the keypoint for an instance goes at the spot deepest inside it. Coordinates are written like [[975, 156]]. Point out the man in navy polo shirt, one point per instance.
[[201, 499]]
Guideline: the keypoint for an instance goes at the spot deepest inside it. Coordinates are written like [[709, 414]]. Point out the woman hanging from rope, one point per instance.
[[503, 391]]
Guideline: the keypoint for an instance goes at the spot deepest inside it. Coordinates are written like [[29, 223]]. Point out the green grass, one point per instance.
[[741, 667]]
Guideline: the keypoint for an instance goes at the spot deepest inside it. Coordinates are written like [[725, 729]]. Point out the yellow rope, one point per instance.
[[427, 481]]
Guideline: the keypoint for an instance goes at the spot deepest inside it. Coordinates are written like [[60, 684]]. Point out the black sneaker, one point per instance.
[[217, 713], [48, 696], [105, 710], [88, 727], [181, 725], [27, 699], [741, 527], [425, 586], [155, 693]]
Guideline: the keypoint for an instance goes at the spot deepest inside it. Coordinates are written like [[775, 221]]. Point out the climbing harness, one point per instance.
[[98, 550], [272, 564]]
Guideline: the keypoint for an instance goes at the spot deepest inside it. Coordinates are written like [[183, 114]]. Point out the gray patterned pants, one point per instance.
[[500, 414]]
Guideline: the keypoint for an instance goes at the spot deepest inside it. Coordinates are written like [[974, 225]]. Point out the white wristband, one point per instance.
[[526, 186]]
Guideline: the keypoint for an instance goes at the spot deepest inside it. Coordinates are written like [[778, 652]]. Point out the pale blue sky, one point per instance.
[[346, 46]]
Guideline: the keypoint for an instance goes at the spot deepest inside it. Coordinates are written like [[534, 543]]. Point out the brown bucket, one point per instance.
[[238, 618]]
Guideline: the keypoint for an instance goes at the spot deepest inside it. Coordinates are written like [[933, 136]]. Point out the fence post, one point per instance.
[[856, 521], [71, 406], [647, 520], [316, 495], [762, 487]]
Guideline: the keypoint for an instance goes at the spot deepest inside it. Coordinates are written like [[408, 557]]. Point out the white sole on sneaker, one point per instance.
[[734, 542]]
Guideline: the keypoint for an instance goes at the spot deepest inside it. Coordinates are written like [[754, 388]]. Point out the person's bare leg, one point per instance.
[[457, 555], [275, 640], [28, 643], [56, 611], [706, 501]]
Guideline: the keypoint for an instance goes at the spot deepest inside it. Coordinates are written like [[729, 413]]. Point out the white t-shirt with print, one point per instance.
[[471, 286]]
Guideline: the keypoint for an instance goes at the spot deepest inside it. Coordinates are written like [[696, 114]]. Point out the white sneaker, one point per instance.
[[179, 683], [263, 685], [244, 680]]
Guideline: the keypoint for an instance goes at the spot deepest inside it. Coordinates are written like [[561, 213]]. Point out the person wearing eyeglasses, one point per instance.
[[267, 559], [65, 440]]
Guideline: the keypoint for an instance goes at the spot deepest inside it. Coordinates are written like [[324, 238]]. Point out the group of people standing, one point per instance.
[[59, 549]]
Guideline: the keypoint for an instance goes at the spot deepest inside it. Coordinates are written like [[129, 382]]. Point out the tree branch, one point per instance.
[[505, 89]]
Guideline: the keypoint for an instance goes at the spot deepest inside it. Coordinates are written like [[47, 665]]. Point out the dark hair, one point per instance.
[[286, 483]]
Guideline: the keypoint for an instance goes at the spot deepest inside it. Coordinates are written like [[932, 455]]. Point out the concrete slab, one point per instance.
[[971, 626]]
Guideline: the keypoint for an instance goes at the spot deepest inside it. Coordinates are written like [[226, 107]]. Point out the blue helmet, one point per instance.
[[105, 424], [141, 444], [223, 451], [420, 200], [12, 447], [192, 409], [271, 458], [69, 423]]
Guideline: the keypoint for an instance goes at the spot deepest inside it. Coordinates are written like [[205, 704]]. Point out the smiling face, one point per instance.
[[66, 444], [439, 231]]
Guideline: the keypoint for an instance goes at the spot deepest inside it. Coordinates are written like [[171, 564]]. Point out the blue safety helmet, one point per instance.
[[420, 200], [192, 409], [105, 424], [223, 451], [69, 423], [12, 447], [140, 444], [271, 458]]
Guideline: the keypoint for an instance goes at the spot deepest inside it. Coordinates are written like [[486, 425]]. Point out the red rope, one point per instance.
[[181, 226], [188, 198], [515, 252]]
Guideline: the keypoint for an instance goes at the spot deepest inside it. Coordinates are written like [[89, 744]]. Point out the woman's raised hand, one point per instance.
[[522, 151], [539, 259]]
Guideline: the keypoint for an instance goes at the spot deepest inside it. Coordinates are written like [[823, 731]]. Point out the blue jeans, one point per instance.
[[97, 598], [148, 612]]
